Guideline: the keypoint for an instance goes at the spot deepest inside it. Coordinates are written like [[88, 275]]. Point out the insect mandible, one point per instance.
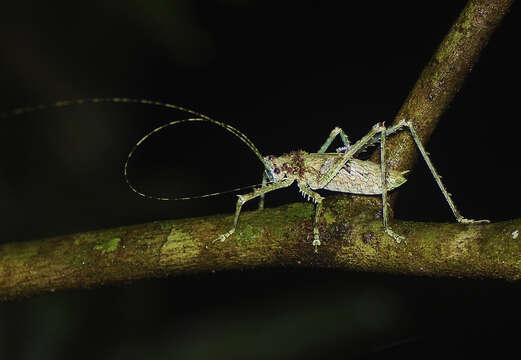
[[338, 171]]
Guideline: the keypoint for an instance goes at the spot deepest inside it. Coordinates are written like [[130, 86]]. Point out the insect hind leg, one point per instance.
[[407, 124], [383, 172]]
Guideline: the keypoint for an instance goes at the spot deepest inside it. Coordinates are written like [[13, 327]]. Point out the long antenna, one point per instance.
[[225, 126], [117, 100], [124, 100]]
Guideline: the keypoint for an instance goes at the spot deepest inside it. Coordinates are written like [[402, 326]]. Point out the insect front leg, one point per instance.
[[334, 133], [406, 124], [244, 198], [317, 199], [263, 184]]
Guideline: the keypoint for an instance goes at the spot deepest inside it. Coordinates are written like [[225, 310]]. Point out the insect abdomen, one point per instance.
[[362, 177]]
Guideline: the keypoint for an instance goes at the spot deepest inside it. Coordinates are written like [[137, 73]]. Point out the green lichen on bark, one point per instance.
[[108, 245]]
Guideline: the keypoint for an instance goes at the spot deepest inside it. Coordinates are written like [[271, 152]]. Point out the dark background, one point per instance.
[[285, 73]]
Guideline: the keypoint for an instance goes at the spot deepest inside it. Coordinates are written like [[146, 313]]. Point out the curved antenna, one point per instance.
[[116, 100], [124, 100], [225, 126]]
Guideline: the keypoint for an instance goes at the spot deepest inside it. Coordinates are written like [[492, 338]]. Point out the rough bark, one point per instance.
[[351, 227], [351, 233], [443, 76]]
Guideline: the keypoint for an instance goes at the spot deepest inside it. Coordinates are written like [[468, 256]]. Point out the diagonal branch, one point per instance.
[[443, 76], [351, 228]]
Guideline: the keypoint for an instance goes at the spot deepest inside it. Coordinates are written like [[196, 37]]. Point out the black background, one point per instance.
[[285, 73]]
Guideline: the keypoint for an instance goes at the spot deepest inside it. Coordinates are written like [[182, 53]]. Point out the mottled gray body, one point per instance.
[[355, 177]]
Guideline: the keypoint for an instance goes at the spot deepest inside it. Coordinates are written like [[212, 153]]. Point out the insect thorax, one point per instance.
[[291, 165]]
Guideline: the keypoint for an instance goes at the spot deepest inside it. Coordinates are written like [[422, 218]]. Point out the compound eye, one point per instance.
[[276, 171]]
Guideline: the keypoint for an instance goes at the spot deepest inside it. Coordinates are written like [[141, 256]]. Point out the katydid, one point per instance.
[[338, 171]]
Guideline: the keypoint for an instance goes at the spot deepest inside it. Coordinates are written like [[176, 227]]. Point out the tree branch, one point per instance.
[[443, 77], [351, 229], [351, 232]]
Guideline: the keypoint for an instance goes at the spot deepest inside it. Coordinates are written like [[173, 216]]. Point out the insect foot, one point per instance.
[[316, 244], [470, 221], [395, 236], [241, 199], [223, 237]]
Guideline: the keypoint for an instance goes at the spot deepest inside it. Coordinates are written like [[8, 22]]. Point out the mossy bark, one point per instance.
[[352, 238]]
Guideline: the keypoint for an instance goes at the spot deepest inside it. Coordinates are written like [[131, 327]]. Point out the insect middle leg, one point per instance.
[[317, 199], [244, 198]]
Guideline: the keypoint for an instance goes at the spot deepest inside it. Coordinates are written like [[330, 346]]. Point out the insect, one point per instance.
[[338, 171], [342, 172]]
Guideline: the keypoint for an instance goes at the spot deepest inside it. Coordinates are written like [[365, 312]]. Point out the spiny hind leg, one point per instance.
[[407, 124], [383, 172], [242, 199], [334, 133], [317, 199], [377, 129]]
